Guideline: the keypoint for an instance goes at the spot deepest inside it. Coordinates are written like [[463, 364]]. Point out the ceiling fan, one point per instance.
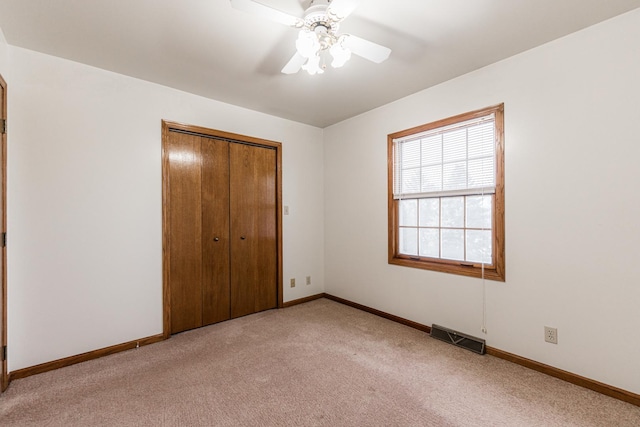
[[318, 36]]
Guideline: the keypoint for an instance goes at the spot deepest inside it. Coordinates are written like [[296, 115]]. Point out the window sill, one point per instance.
[[452, 267]]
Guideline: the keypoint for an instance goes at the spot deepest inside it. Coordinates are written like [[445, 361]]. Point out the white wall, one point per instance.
[[572, 208], [4, 62], [85, 203]]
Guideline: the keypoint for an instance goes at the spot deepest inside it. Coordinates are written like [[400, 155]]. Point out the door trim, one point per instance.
[[168, 126], [4, 374]]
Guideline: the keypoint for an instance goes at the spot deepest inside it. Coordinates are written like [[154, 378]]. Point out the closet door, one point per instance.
[[185, 230], [222, 255], [199, 216], [215, 231], [253, 229]]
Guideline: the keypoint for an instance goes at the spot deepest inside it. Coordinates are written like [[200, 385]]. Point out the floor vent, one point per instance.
[[457, 338]]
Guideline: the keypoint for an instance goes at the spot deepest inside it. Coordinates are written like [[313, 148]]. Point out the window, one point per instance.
[[446, 195]]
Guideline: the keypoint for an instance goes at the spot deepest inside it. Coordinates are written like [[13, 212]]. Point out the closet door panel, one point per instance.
[[266, 231], [185, 263], [215, 231], [253, 229]]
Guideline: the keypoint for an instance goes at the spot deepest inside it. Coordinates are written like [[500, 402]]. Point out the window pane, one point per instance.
[[429, 212], [481, 140], [409, 213], [432, 178], [411, 154], [408, 241], [479, 211], [410, 181], [454, 176], [452, 211], [479, 246], [453, 244], [454, 145], [481, 173], [432, 150], [430, 242]]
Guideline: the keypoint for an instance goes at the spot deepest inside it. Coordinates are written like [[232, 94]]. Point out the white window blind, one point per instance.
[[446, 161]]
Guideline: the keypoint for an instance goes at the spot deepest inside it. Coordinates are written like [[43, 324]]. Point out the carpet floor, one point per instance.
[[315, 364]]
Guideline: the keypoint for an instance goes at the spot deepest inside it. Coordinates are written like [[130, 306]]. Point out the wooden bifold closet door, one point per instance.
[[221, 237]]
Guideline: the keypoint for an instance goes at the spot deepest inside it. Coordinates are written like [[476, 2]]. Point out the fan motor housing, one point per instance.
[[316, 16]]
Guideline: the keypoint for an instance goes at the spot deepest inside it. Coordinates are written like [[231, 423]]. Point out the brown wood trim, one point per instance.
[[446, 122], [446, 266], [499, 250], [219, 134], [392, 317], [166, 291], [279, 229], [72, 360], [392, 207], [607, 390], [302, 300], [4, 377]]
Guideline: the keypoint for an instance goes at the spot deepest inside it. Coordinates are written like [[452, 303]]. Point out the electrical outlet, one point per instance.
[[293, 283], [551, 335], [308, 280], [286, 210]]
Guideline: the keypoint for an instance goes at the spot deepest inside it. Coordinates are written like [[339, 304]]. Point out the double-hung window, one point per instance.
[[446, 195]]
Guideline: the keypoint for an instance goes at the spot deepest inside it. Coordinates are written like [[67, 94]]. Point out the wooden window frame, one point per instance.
[[495, 271]]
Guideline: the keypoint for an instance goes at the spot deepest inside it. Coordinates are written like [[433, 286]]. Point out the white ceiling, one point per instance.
[[208, 48]]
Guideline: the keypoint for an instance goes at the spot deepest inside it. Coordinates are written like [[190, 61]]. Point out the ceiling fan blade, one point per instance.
[[294, 64], [366, 49], [342, 8], [267, 12]]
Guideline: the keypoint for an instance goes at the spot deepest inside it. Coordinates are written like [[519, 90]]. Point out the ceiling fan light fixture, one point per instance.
[[307, 43], [339, 53], [312, 66], [318, 35]]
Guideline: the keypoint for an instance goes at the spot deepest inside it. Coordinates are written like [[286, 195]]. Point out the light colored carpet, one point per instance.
[[315, 364]]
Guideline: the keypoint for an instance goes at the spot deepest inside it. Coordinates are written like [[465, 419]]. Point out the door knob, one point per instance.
[[242, 237], [215, 239]]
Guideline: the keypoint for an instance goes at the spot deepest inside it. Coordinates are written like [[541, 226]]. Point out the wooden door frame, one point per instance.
[[4, 373], [168, 126]]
